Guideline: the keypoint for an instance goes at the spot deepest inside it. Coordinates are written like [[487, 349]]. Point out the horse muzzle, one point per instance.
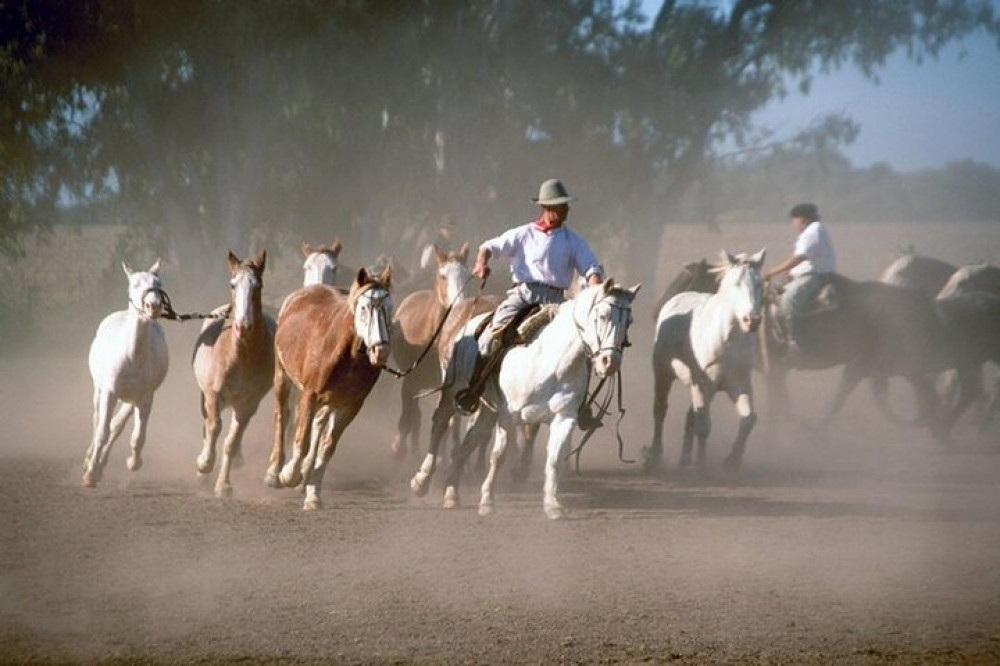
[[152, 306], [378, 355], [607, 363], [750, 323]]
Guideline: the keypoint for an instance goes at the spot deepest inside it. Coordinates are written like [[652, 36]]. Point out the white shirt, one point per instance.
[[549, 258], [815, 245]]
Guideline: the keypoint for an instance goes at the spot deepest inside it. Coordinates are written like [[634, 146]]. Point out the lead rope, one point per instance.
[[171, 314], [399, 374]]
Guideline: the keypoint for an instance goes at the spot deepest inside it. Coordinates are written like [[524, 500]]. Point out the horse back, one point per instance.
[[318, 349], [417, 317]]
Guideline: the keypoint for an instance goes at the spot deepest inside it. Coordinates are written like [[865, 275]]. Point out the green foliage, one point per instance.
[[216, 123]]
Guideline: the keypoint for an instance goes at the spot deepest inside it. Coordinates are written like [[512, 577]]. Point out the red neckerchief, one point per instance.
[[541, 226]]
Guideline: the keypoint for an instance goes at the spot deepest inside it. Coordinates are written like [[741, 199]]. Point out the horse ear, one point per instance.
[[128, 269], [386, 278], [463, 252], [362, 277], [608, 285], [307, 249], [728, 258], [234, 261], [335, 248], [155, 268], [758, 259], [634, 289], [439, 255], [261, 260]]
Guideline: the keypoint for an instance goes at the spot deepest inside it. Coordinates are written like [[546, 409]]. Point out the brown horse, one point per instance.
[[234, 364], [417, 319], [333, 348]]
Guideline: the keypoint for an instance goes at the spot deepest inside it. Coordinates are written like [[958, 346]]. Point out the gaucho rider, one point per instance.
[[543, 256], [811, 258]]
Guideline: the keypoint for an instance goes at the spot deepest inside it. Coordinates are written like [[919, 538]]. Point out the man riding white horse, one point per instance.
[[543, 256], [811, 258]]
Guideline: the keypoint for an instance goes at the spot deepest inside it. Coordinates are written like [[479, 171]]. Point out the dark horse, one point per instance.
[[875, 331]]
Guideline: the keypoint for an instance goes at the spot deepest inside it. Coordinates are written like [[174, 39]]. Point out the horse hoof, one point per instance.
[[290, 478], [555, 512], [419, 485], [272, 481], [224, 492], [312, 504], [450, 498], [134, 463], [205, 466], [731, 465], [398, 451], [89, 481]]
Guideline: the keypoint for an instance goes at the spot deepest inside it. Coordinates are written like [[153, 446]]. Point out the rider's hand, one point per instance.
[[481, 271]]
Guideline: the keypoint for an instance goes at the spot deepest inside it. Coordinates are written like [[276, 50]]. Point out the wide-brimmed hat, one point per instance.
[[552, 193], [805, 210]]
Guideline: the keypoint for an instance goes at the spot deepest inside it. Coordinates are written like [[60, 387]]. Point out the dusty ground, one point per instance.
[[861, 544]]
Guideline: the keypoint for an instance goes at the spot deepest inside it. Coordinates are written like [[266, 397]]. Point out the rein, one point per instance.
[[590, 423], [172, 315], [399, 374]]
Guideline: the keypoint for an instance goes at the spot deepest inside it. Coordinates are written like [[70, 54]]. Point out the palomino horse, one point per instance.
[[128, 362], [542, 381], [320, 265], [333, 348], [708, 341], [416, 321], [234, 365]]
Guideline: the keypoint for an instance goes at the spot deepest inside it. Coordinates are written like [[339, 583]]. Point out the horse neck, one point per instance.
[[559, 346], [137, 333]]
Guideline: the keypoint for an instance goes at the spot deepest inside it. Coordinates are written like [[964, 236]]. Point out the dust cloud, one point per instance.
[[861, 535]]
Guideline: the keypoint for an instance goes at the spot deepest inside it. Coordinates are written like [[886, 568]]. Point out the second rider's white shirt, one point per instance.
[[815, 245]]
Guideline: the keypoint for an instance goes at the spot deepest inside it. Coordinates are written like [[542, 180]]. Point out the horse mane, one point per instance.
[[695, 276], [533, 325]]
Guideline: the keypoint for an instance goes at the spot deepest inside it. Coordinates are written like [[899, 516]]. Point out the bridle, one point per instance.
[[377, 296], [621, 315]]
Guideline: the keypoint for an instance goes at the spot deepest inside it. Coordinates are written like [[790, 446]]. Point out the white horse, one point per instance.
[[543, 381], [128, 362], [708, 341], [321, 264]]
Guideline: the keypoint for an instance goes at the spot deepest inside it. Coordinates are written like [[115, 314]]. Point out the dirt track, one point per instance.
[[861, 544]]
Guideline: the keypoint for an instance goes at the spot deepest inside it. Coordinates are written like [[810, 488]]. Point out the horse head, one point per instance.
[[602, 315], [145, 294], [372, 307], [452, 279], [320, 265], [246, 279], [976, 277], [743, 285]]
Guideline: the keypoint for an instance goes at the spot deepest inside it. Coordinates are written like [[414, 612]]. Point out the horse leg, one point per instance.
[[520, 471], [123, 414], [970, 387], [503, 433], [291, 474], [334, 424], [318, 433], [687, 443], [104, 402], [142, 411], [853, 373], [212, 417], [231, 448], [420, 483], [700, 406], [409, 418], [483, 421], [662, 381], [281, 387], [748, 417], [560, 434]]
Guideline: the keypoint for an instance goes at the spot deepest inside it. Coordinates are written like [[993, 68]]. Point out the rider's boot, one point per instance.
[[467, 399]]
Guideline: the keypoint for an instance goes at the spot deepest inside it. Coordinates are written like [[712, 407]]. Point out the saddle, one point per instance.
[[827, 300]]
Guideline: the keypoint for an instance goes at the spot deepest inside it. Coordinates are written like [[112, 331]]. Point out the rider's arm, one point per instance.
[[788, 264], [482, 268]]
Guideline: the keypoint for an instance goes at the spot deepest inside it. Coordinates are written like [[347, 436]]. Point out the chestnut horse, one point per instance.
[[333, 348], [128, 362], [417, 319], [234, 365]]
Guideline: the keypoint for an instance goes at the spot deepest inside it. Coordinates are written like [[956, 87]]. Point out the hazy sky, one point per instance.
[[917, 116]]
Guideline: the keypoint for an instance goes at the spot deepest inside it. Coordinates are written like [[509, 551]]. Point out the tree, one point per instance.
[[215, 123]]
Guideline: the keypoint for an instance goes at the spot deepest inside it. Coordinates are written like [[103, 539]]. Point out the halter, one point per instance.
[[377, 295], [619, 320], [155, 289]]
